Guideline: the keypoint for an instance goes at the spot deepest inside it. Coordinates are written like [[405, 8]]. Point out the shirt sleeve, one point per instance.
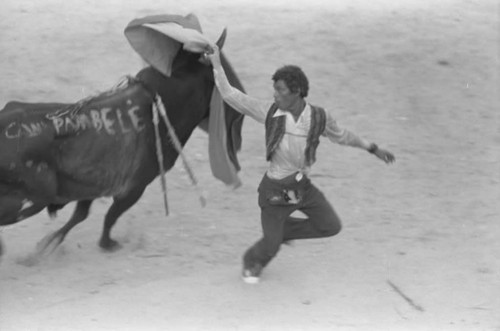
[[342, 136], [241, 102]]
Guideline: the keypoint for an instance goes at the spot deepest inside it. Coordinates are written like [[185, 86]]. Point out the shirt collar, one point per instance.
[[280, 112]]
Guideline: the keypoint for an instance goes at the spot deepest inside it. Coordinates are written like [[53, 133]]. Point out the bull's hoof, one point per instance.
[[48, 244], [109, 245]]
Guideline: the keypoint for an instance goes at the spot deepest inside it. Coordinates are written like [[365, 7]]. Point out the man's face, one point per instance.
[[283, 97]]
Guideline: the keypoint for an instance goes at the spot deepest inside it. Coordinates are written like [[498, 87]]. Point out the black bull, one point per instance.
[[52, 153]]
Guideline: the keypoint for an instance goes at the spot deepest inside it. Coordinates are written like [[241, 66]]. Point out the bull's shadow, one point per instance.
[[104, 146]]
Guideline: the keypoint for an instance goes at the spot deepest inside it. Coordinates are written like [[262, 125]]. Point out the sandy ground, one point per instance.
[[418, 77]]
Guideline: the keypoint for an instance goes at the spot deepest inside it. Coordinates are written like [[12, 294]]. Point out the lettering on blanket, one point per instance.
[[16, 130], [111, 121]]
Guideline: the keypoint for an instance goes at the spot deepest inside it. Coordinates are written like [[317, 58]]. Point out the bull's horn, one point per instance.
[[222, 39]]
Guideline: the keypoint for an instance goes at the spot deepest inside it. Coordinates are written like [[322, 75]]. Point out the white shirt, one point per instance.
[[289, 157]]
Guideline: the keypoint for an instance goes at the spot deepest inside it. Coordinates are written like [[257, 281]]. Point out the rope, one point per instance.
[[159, 154], [178, 147]]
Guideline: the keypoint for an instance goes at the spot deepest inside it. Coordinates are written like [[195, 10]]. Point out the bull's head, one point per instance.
[[171, 43]]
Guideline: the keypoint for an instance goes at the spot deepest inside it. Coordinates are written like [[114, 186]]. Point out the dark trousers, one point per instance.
[[277, 224]]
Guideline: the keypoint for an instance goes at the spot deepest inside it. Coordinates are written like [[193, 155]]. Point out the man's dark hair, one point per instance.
[[294, 78]]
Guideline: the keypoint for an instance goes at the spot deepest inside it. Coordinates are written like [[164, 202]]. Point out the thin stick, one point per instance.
[[178, 147], [159, 154], [404, 296]]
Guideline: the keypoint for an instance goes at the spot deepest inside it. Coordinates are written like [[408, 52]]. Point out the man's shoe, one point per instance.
[[252, 275]]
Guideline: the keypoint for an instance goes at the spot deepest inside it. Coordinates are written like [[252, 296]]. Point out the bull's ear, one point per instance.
[[222, 39]]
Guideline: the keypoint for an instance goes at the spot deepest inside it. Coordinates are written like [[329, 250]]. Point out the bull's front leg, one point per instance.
[[120, 204]]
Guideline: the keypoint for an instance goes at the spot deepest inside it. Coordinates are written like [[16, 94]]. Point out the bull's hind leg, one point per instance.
[[120, 205], [50, 242], [15, 208]]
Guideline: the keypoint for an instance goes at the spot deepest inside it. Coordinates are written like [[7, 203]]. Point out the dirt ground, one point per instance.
[[420, 246]]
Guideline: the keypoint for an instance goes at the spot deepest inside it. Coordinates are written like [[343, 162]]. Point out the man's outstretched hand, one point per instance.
[[213, 54], [385, 155]]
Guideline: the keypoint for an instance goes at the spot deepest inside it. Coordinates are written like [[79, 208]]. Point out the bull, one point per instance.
[[52, 154]]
